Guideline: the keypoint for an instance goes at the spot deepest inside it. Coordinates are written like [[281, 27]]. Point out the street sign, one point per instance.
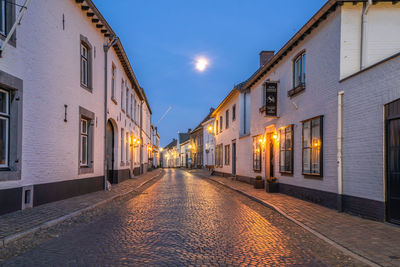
[[190, 161]]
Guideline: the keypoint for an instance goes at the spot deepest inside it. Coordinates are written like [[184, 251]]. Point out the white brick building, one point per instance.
[[73, 107], [322, 113]]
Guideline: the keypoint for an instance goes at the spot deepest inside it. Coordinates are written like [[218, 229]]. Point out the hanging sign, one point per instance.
[[271, 99]]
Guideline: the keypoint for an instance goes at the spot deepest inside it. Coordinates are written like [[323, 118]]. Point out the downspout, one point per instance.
[[12, 30], [141, 138], [340, 151], [106, 47], [364, 13]]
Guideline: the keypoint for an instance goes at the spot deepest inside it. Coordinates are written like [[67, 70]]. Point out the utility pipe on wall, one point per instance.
[[107, 47], [340, 151]]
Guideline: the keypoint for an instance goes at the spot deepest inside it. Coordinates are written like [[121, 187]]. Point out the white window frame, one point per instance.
[[6, 116], [299, 73], [84, 65], [127, 99], [84, 134], [122, 94], [122, 144], [127, 156]]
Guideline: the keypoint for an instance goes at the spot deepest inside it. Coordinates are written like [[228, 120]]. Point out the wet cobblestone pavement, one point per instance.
[[184, 220]]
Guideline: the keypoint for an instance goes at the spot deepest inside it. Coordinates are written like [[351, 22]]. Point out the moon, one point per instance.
[[201, 64]]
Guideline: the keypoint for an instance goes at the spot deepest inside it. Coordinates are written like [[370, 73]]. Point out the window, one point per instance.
[[86, 130], [234, 112], [4, 127], [84, 142], [286, 149], [227, 119], [218, 158], [84, 65], [216, 126], [312, 146], [113, 69], [245, 114], [122, 145], [227, 154], [299, 71], [127, 147], [221, 124], [122, 94], [131, 109], [135, 115], [257, 153], [127, 100], [3, 15]]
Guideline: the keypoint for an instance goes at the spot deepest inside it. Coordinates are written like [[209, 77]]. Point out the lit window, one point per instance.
[[122, 145], [286, 149], [312, 147], [256, 153]]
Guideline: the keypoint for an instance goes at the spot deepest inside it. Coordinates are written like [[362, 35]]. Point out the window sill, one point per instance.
[[114, 100], [257, 171], [312, 175], [286, 172], [244, 135], [85, 170], [297, 90], [87, 88]]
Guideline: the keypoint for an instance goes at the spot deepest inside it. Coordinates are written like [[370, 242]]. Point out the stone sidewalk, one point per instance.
[[20, 223], [372, 241]]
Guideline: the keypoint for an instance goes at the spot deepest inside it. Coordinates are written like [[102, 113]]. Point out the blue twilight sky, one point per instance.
[[163, 38]]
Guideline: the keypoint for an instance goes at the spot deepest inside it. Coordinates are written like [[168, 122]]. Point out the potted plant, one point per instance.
[[272, 185], [258, 183]]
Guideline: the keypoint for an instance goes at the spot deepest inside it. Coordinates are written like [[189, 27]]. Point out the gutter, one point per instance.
[[340, 151]]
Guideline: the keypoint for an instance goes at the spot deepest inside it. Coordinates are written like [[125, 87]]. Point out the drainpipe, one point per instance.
[[141, 138], [363, 51], [106, 47], [340, 151]]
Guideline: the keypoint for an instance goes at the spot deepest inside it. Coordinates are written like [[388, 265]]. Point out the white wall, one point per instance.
[[382, 35]]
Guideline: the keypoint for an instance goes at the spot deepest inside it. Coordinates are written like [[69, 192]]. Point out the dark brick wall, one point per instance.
[[45, 193], [323, 198], [365, 208], [10, 200]]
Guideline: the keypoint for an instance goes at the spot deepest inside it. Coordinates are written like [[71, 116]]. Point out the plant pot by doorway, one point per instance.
[[272, 185], [258, 183]]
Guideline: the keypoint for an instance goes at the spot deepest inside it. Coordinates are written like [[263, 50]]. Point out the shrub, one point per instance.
[[258, 177], [271, 180]]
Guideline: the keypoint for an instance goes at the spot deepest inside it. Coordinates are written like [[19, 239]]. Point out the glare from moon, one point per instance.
[[201, 64]]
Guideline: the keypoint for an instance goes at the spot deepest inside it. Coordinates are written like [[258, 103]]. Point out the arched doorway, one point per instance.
[[110, 151]]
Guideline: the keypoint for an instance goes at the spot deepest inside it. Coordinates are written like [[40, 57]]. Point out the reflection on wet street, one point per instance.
[[183, 220]]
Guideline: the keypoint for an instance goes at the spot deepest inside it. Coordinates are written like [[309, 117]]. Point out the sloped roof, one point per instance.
[[199, 126], [172, 144], [183, 137], [104, 28]]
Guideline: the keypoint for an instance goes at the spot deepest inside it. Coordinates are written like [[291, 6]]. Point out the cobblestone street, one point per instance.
[[184, 220]]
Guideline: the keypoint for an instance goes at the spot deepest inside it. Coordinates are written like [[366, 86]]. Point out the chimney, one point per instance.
[[189, 130], [265, 56], [212, 110]]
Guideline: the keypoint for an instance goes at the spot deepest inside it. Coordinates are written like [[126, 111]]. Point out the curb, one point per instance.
[[345, 250], [8, 239]]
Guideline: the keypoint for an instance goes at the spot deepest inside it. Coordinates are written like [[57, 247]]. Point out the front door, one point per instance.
[[234, 158], [269, 149], [393, 182]]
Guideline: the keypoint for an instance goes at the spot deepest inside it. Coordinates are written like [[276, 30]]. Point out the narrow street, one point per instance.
[[182, 220]]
